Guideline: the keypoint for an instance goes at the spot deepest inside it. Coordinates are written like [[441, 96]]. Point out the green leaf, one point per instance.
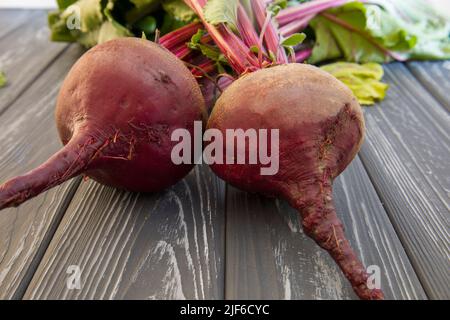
[[89, 12], [108, 30], [170, 23], [363, 80], [142, 8], [179, 10], [2, 79], [144, 3], [208, 51], [222, 11], [211, 52], [419, 20], [408, 28], [63, 4], [386, 30], [276, 6], [325, 47], [58, 28], [89, 39], [215, 55], [147, 24], [220, 68], [335, 41], [354, 47], [111, 30], [272, 57], [91, 21], [195, 40], [294, 40], [254, 49], [431, 50]]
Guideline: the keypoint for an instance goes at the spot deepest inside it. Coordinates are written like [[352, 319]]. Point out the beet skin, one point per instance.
[[115, 114], [321, 130]]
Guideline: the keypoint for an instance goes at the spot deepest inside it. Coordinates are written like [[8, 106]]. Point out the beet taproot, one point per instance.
[[115, 114], [321, 129]]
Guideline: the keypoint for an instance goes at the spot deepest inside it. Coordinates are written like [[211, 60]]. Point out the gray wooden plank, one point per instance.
[[27, 138], [435, 76], [12, 19], [24, 54], [407, 154], [168, 245], [269, 257]]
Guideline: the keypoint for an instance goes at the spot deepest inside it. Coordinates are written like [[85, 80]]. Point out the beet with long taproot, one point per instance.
[[115, 114], [321, 129]]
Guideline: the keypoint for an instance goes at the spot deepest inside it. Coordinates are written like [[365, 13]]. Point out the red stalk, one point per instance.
[[269, 31], [182, 51], [246, 29], [305, 9], [182, 35], [176, 42], [236, 52], [203, 68], [296, 26], [302, 55]]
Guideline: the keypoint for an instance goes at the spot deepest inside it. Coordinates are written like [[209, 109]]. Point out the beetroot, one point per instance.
[[321, 129], [115, 114], [319, 121]]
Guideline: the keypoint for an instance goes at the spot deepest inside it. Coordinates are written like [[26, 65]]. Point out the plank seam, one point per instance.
[[34, 79], [32, 14], [396, 229], [426, 88], [225, 249], [43, 247], [415, 263]]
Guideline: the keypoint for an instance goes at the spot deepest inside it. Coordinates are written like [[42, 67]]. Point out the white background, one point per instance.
[[441, 4], [27, 3]]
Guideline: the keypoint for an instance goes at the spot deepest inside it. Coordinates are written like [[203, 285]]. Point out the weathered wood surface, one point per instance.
[[407, 154], [24, 54], [168, 245], [13, 19], [269, 256], [191, 241], [27, 138], [435, 77]]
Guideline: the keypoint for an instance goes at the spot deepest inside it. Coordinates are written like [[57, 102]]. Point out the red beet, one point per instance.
[[115, 114], [321, 130]]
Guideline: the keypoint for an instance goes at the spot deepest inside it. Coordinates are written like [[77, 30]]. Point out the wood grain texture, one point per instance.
[[27, 138], [407, 156], [172, 245], [435, 77], [12, 19], [24, 54], [269, 256], [139, 246]]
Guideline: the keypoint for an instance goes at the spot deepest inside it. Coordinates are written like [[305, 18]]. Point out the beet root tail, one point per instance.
[[321, 223], [67, 163]]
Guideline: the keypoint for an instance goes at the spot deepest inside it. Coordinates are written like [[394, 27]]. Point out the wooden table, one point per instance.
[[203, 239]]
